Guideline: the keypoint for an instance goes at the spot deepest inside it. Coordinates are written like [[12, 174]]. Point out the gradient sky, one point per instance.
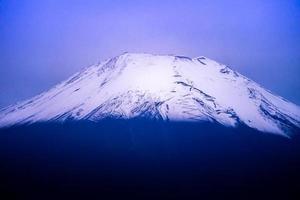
[[44, 42]]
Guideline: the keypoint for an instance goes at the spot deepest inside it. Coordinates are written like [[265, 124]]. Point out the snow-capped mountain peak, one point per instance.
[[175, 88]]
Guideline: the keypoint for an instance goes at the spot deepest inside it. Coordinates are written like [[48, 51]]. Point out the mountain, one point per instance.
[[168, 88]]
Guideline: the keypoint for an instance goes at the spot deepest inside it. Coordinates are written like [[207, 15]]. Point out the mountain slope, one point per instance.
[[172, 88]]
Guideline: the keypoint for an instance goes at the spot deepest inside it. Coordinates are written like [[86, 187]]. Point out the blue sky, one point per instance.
[[44, 42]]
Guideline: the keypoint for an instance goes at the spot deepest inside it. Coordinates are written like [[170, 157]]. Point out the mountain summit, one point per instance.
[[169, 88]]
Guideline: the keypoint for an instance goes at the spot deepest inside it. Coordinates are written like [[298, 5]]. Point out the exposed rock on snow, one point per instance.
[[162, 87]]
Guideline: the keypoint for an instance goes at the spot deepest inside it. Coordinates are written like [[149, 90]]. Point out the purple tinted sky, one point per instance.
[[43, 42]]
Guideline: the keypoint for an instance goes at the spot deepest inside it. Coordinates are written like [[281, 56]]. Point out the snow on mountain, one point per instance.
[[172, 88]]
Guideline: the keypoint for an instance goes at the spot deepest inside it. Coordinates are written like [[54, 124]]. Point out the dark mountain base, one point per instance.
[[146, 160]]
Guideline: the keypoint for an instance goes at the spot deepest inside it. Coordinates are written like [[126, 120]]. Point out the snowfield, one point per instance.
[[170, 88]]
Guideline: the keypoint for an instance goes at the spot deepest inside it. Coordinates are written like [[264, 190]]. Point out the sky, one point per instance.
[[44, 42]]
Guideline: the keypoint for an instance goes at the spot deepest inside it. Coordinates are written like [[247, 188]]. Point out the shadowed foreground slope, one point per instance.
[[146, 159]]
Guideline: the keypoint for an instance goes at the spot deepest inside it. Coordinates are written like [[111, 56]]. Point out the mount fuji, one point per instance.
[[156, 87]]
